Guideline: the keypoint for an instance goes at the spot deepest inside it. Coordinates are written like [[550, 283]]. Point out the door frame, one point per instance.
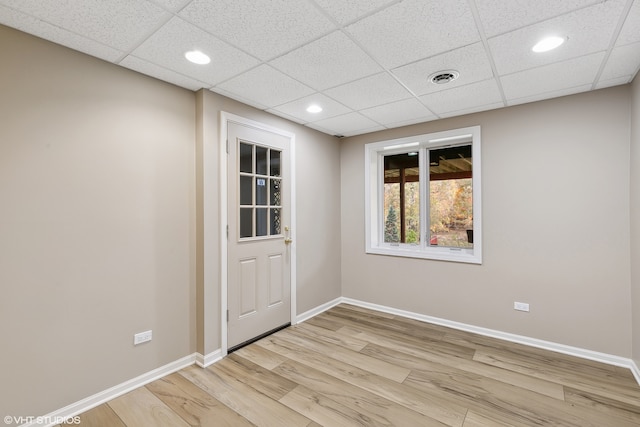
[[225, 118]]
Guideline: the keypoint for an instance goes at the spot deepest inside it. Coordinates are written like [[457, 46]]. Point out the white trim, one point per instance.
[[294, 232], [319, 309], [520, 339], [226, 117], [374, 195], [635, 371], [224, 222], [207, 360], [115, 391]]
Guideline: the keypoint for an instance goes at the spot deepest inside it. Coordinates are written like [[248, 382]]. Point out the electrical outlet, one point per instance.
[[521, 306], [142, 337]]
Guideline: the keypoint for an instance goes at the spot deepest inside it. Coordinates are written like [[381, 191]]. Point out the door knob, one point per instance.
[[288, 241]]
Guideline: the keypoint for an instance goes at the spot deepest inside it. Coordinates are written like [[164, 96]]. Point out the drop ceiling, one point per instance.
[[365, 62]]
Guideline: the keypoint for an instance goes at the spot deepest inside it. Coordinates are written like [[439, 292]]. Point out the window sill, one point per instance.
[[438, 254]]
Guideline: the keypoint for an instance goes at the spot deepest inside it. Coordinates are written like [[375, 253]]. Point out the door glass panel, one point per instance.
[[246, 222], [261, 160], [276, 193], [261, 191], [246, 190], [274, 163], [261, 221], [246, 158], [275, 222]]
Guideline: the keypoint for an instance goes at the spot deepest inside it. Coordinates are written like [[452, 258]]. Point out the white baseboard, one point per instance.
[[206, 360], [635, 371], [209, 359], [90, 402], [533, 342], [321, 308]]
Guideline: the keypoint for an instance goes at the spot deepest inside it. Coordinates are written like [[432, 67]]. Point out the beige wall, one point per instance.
[[635, 217], [104, 179], [556, 227], [317, 163], [97, 224]]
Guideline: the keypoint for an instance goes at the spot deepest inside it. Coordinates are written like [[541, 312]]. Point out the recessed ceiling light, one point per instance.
[[444, 77], [314, 108], [547, 44], [197, 57]]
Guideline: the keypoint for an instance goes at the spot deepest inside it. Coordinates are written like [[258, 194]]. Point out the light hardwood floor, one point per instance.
[[355, 367]]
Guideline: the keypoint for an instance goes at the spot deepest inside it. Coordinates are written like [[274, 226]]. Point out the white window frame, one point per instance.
[[374, 195]]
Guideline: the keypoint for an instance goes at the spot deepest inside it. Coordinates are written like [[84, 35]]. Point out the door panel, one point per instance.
[[276, 279], [248, 287], [259, 267]]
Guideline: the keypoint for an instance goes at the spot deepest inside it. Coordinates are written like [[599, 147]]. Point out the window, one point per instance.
[[260, 191], [423, 196]]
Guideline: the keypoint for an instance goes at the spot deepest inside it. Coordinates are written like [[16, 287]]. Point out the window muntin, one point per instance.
[[260, 185], [423, 196]]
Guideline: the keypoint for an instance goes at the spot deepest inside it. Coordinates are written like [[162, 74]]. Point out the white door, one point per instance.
[[259, 211]]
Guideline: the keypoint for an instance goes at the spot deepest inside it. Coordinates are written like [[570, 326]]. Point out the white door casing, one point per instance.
[[258, 256]]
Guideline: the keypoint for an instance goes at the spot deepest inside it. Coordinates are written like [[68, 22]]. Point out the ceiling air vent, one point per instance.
[[444, 77]]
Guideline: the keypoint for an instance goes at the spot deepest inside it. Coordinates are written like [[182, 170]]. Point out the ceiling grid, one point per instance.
[[366, 63]]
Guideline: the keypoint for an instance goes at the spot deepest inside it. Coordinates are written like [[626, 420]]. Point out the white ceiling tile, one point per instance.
[[631, 29], [477, 109], [266, 86], [463, 97], [351, 56], [298, 108], [500, 16], [614, 82], [249, 101], [551, 78], [121, 24], [363, 131], [37, 27], [264, 29], [321, 129], [347, 11], [470, 61], [550, 94], [168, 46], [512, 51], [623, 61], [408, 109], [347, 123], [172, 5], [415, 29], [286, 116], [358, 94], [330, 61], [410, 122], [161, 73]]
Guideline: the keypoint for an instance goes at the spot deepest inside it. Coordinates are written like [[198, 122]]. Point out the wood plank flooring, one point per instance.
[[355, 367]]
